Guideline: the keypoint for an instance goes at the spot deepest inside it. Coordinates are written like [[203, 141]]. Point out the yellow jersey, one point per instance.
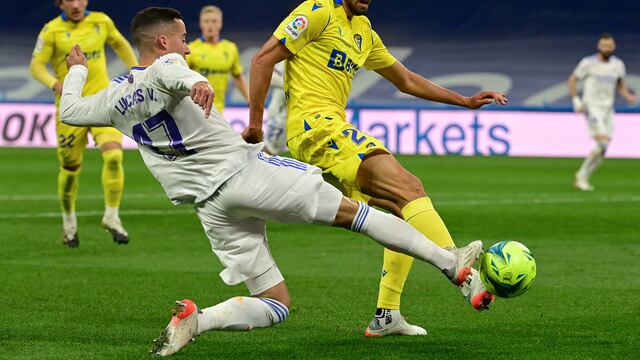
[[328, 50], [58, 36], [215, 62]]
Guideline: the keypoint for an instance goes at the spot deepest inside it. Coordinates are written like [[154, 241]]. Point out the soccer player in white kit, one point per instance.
[[602, 74], [234, 187], [275, 138]]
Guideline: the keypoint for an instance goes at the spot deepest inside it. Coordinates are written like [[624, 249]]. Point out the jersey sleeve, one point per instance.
[[304, 24], [173, 73], [42, 54], [236, 68], [623, 71], [581, 70], [82, 111], [119, 44], [379, 57]]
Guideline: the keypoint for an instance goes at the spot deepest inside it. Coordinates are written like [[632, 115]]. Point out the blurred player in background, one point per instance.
[[233, 186], [77, 25], [325, 43], [215, 58], [275, 139], [603, 74]]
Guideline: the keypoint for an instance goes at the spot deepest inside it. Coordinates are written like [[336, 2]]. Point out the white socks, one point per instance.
[[395, 234], [111, 212], [69, 224], [592, 161], [242, 313]]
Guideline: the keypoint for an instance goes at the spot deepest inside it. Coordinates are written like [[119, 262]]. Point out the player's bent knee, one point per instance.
[[113, 158]]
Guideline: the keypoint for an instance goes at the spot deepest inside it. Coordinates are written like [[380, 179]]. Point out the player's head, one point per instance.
[[606, 45], [210, 21], [74, 10], [358, 7], [159, 31]]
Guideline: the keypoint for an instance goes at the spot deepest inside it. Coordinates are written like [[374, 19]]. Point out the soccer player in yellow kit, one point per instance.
[[215, 58], [77, 25], [325, 42]]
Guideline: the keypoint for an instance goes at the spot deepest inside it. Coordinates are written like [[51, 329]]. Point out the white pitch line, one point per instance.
[[133, 212], [487, 202], [54, 197], [538, 201]]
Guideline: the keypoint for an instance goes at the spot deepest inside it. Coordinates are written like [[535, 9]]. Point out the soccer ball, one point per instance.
[[507, 269]]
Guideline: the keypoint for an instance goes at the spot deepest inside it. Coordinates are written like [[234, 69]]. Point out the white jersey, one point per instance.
[[190, 155], [600, 79], [277, 77]]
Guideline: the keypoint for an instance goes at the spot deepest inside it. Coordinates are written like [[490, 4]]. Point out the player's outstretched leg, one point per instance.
[[113, 185], [395, 234]]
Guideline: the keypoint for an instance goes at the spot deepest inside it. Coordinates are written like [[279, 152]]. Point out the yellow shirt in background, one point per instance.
[[328, 50], [215, 62], [59, 35]]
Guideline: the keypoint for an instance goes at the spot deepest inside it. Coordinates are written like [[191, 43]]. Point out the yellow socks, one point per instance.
[[68, 189], [422, 216], [112, 177]]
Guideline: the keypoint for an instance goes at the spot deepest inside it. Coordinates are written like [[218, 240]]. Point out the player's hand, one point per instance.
[[632, 100], [202, 94], [252, 135], [76, 57], [57, 87], [485, 98], [578, 105]]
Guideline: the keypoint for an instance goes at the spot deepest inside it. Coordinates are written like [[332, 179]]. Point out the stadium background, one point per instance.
[[524, 49]]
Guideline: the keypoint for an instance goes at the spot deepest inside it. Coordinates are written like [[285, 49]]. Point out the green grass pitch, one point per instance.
[[104, 301]]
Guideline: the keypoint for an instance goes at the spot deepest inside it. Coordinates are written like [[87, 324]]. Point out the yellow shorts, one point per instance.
[[336, 147], [72, 140]]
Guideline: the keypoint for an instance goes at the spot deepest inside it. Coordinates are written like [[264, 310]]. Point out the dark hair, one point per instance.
[[150, 17], [605, 36]]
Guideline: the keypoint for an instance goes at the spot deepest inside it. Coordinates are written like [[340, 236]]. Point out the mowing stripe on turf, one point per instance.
[[54, 197], [487, 202]]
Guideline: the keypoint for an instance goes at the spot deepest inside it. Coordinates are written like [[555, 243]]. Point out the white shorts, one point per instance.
[[599, 120], [267, 188]]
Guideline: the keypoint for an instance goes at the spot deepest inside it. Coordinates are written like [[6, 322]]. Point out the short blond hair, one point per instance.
[[211, 9]]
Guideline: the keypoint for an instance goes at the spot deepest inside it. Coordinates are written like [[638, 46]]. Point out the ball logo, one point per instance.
[[296, 27]]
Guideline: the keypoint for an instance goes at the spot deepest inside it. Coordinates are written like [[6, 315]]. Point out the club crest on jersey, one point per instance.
[[358, 40], [296, 27]]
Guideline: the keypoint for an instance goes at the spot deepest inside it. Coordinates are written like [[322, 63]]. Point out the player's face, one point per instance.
[[210, 24], [74, 9], [358, 7], [606, 47], [177, 40]]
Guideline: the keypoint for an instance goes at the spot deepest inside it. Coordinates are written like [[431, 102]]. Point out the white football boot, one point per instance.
[[182, 329], [113, 225], [476, 293], [582, 183], [465, 257], [391, 322]]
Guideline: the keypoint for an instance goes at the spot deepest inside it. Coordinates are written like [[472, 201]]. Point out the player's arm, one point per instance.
[[41, 56], [236, 72], [623, 90], [120, 45], [413, 84], [77, 110], [579, 73], [303, 25], [174, 74], [272, 52]]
